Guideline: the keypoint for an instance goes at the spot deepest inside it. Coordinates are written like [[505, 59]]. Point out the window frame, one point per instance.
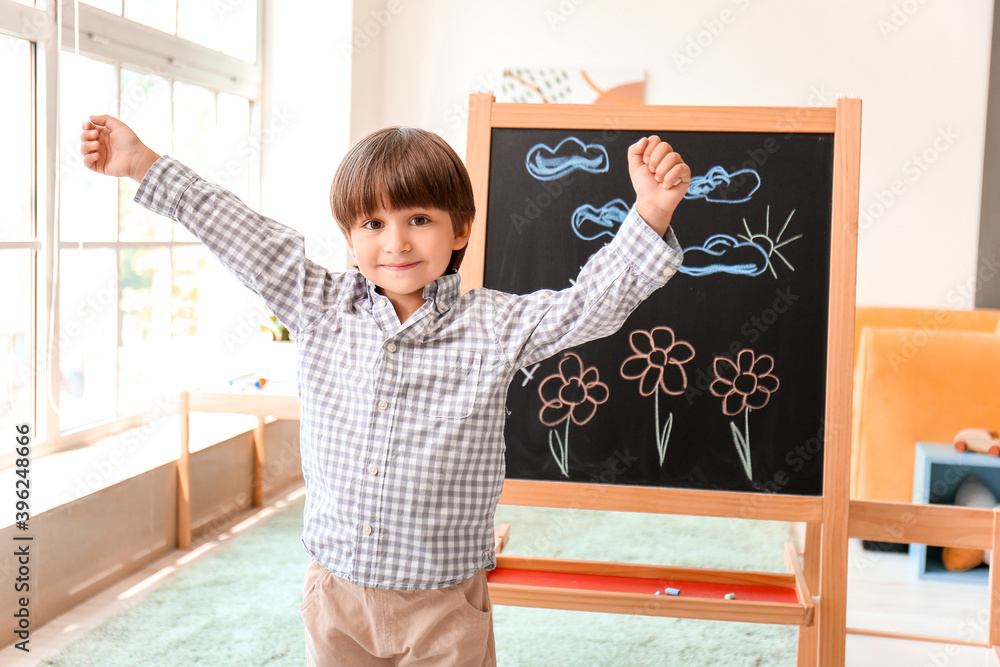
[[94, 33]]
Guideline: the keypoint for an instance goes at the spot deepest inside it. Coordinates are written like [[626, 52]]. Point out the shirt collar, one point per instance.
[[442, 293]]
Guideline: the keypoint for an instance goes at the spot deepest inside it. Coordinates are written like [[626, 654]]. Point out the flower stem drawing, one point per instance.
[[742, 442], [560, 449], [571, 394], [743, 386], [658, 365], [662, 437]]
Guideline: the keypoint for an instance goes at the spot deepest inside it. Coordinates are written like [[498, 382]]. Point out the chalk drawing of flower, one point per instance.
[[658, 364], [748, 383], [570, 395], [658, 360], [743, 386]]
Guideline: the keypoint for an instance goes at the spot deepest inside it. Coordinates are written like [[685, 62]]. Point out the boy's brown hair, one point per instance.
[[401, 167]]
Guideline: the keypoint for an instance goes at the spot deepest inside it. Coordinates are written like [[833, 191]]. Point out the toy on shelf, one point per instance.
[[247, 382], [981, 440], [971, 493]]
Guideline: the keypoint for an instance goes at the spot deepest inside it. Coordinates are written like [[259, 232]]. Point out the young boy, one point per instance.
[[402, 380]]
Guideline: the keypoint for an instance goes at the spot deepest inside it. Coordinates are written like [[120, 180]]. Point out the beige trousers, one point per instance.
[[353, 625]]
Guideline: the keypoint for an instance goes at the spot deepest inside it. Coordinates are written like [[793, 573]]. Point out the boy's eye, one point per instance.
[[419, 220], [371, 224]]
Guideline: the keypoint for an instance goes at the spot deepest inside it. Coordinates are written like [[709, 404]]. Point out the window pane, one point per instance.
[[144, 305], [145, 107], [216, 323], [159, 14], [229, 26], [113, 6], [235, 148], [194, 123], [16, 367], [188, 306], [194, 120], [88, 336], [88, 201], [15, 171]]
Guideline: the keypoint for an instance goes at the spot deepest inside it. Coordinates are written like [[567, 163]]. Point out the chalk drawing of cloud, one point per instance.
[[590, 223], [547, 164], [721, 187], [724, 254]]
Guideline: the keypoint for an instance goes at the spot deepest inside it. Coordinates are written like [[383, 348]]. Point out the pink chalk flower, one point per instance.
[[743, 386], [748, 383], [572, 393], [658, 361]]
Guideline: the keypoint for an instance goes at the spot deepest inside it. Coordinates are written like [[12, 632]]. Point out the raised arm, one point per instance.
[[642, 257], [613, 282], [266, 256]]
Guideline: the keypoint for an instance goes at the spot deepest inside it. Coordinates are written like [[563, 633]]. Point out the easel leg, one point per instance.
[[258, 463], [184, 477], [808, 652], [993, 637]]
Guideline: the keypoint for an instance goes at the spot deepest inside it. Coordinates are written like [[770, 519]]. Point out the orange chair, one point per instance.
[[919, 375]]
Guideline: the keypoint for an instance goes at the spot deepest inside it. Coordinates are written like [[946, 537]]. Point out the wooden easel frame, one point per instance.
[[826, 517]]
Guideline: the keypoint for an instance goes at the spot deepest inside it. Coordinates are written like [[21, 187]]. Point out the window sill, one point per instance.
[[63, 477]]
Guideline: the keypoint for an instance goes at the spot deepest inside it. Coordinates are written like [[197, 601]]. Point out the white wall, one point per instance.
[[306, 119], [920, 67]]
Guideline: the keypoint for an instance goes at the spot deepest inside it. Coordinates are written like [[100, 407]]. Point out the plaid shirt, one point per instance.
[[402, 425]]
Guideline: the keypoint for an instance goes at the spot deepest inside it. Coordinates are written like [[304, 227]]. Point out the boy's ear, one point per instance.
[[462, 238]]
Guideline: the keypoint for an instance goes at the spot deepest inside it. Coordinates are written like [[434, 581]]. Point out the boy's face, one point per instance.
[[402, 251]]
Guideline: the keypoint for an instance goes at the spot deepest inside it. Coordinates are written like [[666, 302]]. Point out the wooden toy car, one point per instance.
[[980, 440]]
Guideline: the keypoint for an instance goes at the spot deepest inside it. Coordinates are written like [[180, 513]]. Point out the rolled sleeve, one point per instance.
[[650, 256], [164, 185]]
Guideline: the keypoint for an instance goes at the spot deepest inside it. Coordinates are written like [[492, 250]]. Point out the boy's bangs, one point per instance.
[[393, 186], [408, 173]]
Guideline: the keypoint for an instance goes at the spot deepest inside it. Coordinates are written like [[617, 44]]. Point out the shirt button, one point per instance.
[[367, 529], [382, 303], [668, 272], [391, 347], [442, 306], [373, 469], [383, 406]]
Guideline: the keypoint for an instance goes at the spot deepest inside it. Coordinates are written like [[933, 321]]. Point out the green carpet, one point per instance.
[[238, 604]]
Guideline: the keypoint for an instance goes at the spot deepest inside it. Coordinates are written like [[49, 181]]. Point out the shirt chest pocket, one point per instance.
[[443, 383]]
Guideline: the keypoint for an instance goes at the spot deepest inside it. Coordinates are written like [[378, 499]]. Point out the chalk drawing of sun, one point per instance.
[[767, 243]]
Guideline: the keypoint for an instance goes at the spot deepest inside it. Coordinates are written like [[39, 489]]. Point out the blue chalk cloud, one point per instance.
[[725, 254], [547, 164], [591, 223], [721, 187]]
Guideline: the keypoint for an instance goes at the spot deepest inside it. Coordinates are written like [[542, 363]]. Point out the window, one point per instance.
[[136, 297], [228, 26], [18, 243]]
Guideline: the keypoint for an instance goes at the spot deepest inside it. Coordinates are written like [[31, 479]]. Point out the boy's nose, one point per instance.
[[397, 240]]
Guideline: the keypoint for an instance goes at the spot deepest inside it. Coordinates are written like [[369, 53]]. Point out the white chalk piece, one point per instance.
[[672, 591], [730, 596], [656, 593]]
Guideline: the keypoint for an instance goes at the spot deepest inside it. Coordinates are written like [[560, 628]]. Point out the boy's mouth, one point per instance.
[[400, 267]]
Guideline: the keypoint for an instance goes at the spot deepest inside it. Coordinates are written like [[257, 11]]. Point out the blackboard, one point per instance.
[[754, 290]]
